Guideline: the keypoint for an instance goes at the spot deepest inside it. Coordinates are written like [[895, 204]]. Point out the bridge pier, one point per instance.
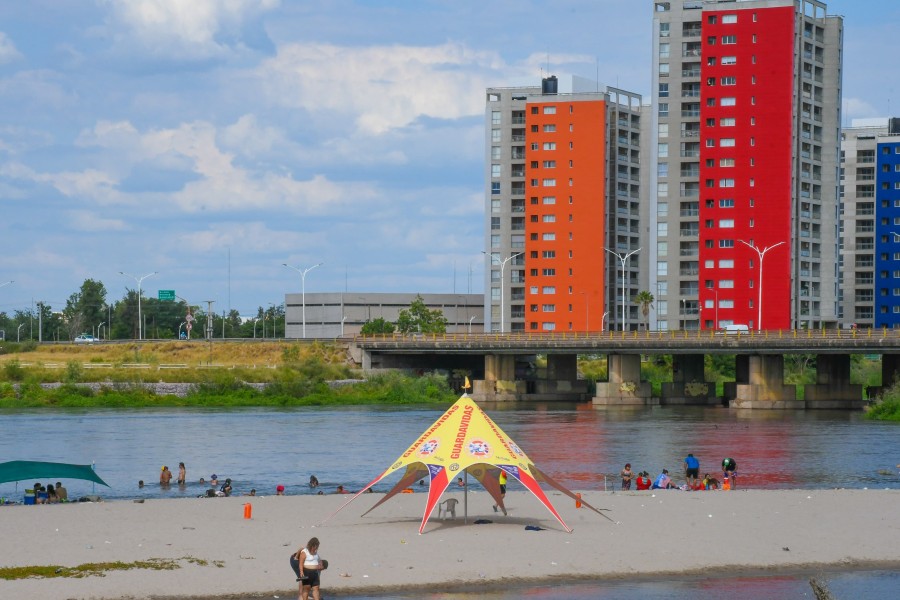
[[759, 383], [624, 387], [559, 382], [689, 385], [833, 388]]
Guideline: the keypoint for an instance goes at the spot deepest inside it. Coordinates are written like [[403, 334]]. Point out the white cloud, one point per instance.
[[382, 87], [185, 27], [247, 237], [83, 220], [858, 108], [8, 52]]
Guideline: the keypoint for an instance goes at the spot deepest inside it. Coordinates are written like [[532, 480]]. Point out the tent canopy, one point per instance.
[[25, 470], [465, 438]]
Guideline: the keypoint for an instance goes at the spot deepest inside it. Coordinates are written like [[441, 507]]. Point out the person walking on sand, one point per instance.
[[182, 474], [627, 475], [691, 470], [307, 565], [502, 481]]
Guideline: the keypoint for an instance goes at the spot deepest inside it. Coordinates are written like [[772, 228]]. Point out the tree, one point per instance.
[[419, 319], [86, 308], [645, 299], [379, 325]]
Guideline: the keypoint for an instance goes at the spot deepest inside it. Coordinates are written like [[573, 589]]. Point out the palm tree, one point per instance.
[[645, 300]]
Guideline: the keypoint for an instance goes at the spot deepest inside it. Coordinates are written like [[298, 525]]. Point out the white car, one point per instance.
[[85, 338]]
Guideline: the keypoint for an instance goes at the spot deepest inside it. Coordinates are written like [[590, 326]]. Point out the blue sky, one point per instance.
[[166, 135]]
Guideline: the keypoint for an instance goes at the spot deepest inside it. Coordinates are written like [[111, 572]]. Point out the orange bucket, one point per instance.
[[248, 511], [577, 500]]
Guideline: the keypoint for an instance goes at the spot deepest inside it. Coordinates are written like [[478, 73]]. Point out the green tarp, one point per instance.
[[29, 470]]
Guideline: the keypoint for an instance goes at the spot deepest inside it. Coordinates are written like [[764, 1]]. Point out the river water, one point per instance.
[[580, 446]]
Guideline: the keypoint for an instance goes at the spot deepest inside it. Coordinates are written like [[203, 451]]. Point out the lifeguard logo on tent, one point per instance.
[[429, 447], [479, 448], [454, 467], [516, 449]]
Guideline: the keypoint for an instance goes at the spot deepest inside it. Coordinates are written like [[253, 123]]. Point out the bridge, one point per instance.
[[496, 360]]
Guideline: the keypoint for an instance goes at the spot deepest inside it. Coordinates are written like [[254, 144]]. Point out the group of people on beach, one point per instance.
[[693, 481], [50, 494]]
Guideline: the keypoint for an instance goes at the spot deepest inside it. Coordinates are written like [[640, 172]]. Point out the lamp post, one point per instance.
[[472, 318], [139, 281], [602, 320], [98, 328], [19, 332], [502, 283], [762, 255], [342, 325], [623, 258], [303, 273]]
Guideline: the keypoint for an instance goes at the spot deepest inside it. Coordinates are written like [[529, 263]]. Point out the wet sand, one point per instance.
[[221, 554]]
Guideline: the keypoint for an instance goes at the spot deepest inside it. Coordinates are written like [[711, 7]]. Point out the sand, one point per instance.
[[715, 533]]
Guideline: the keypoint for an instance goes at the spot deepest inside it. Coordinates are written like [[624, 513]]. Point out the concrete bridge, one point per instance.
[[496, 360]]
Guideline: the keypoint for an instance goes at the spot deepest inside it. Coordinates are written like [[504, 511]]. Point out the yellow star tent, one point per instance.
[[464, 438]]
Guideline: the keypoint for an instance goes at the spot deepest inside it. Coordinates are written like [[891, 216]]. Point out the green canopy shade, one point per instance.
[[29, 470]]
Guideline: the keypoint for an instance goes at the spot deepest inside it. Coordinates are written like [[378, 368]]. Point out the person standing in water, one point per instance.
[[182, 474]]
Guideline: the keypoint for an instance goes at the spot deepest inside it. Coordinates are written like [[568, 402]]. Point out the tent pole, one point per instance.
[[93, 485]]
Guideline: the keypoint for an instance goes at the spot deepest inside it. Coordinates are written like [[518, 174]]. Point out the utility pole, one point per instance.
[[209, 327]]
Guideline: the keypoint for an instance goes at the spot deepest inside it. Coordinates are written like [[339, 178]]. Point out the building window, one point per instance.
[[729, 39], [548, 200], [664, 30], [664, 90], [549, 110], [549, 183], [662, 169], [729, 19], [729, 60], [726, 183], [549, 218], [710, 143], [664, 50], [662, 150], [728, 101], [726, 264], [726, 162], [726, 283], [495, 135], [726, 203], [662, 229], [548, 272], [663, 69], [495, 153], [495, 170], [495, 117], [729, 81], [548, 289], [549, 128], [726, 223], [727, 122], [726, 142], [549, 145], [549, 164], [549, 237], [548, 326], [726, 243], [495, 187], [548, 308], [548, 254]]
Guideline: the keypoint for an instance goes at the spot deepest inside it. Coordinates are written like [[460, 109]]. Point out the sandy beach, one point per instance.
[[652, 533]]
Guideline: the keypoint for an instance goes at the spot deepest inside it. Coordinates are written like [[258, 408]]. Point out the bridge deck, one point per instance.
[[862, 341]]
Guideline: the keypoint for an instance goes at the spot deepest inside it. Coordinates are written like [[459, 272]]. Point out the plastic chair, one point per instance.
[[448, 507]]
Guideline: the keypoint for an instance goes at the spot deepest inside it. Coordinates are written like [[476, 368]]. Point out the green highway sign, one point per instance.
[[167, 294]]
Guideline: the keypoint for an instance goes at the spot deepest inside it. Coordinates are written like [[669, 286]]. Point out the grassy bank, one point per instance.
[[888, 406]]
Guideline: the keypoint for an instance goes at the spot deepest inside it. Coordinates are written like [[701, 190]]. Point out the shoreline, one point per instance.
[[655, 535]]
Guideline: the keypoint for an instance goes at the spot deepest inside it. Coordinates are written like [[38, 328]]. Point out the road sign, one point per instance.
[[167, 295]]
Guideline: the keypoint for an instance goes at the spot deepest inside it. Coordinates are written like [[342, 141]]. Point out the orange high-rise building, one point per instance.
[[563, 184]]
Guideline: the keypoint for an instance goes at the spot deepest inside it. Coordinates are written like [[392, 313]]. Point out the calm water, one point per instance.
[[578, 445], [859, 585]]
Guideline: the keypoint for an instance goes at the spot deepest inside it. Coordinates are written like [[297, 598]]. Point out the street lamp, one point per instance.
[[102, 323], [342, 325], [622, 259], [502, 283], [762, 255], [19, 332], [603, 320], [472, 318], [303, 273], [139, 281]]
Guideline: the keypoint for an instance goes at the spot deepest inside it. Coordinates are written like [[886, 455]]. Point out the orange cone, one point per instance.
[[577, 500], [248, 511]]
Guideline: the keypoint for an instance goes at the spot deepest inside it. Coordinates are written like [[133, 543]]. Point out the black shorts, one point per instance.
[[692, 472], [312, 578], [502, 488]]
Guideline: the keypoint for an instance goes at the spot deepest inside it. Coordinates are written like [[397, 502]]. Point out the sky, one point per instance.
[[213, 141]]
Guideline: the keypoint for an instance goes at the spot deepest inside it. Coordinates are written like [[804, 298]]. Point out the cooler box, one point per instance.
[[29, 497]]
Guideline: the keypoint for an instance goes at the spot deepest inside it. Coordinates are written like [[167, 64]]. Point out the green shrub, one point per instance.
[[74, 371], [13, 371]]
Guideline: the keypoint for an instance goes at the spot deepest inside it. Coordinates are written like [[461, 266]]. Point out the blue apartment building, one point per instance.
[[887, 265]]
